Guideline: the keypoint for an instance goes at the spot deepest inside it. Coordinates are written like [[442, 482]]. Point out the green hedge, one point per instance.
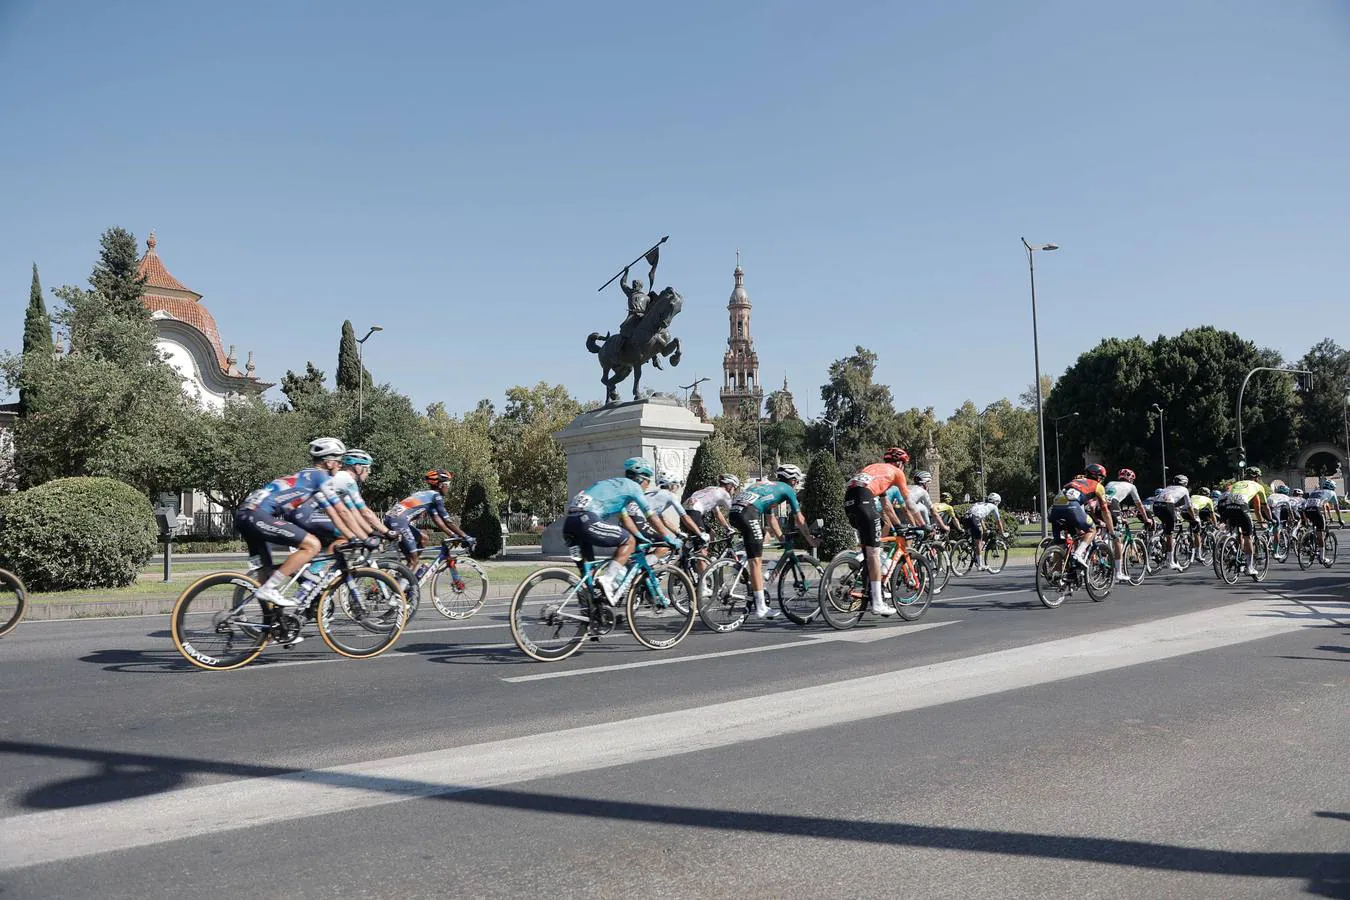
[[523, 539], [210, 546], [77, 533]]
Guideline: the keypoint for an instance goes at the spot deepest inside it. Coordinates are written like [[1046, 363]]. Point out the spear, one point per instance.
[[652, 256]]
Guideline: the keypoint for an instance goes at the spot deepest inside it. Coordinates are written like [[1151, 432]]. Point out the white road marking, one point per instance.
[[863, 636], [55, 835]]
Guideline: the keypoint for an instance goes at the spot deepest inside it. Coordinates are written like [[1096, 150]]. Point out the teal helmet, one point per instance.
[[354, 457], [639, 466], [1282, 489], [1328, 484]]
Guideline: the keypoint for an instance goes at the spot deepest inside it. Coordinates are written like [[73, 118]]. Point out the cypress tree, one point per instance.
[[710, 460], [823, 498], [349, 369], [479, 519], [37, 339]]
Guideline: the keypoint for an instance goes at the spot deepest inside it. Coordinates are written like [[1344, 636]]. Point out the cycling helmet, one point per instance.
[[356, 457], [638, 465], [923, 477], [668, 479], [1252, 472], [1283, 489], [729, 481], [1298, 492], [994, 499], [1215, 495], [437, 477], [1328, 484], [789, 472], [1097, 471], [326, 448], [946, 497], [895, 456], [1126, 475], [1180, 480]]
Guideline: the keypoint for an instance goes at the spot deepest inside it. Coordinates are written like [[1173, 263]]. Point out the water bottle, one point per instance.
[[309, 580]]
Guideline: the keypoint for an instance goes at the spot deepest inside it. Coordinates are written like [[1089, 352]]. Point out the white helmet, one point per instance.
[[788, 472], [729, 481], [923, 477], [668, 479], [326, 448], [994, 499]]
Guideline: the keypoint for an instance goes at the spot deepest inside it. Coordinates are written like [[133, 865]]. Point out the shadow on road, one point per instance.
[[125, 775]]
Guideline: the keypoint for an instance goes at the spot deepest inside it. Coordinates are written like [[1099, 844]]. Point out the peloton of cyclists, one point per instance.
[[1170, 502]]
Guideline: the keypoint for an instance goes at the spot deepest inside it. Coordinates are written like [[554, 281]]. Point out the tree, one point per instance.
[[784, 441], [530, 462], [1321, 405], [823, 500], [350, 372], [480, 520], [392, 431], [37, 339], [740, 441], [299, 389], [110, 321], [863, 410], [464, 446], [712, 458], [247, 445]]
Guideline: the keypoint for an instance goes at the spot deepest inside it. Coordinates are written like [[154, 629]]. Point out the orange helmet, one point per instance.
[[895, 456], [438, 477]]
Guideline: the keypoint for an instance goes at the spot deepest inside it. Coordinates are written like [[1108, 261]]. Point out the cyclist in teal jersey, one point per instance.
[[747, 517], [586, 526]]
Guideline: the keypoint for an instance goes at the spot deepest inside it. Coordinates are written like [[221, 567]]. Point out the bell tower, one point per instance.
[[742, 394]]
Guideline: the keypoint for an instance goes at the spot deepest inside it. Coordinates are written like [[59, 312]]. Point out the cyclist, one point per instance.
[[586, 525], [1315, 512], [945, 512], [267, 516], [1173, 500], [1079, 506], [1202, 501], [747, 517], [1236, 508], [922, 502], [1284, 510], [867, 505], [1327, 491], [974, 524], [404, 515], [1120, 494], [715, 499], [667, 506]]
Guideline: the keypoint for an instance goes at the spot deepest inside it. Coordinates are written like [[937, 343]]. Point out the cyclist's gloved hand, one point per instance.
[[673, 541], [471, 542], [391, 535], [371, 543], [704, 537]]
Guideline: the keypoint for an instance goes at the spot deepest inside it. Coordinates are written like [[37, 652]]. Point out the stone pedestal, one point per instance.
[[597, 443]]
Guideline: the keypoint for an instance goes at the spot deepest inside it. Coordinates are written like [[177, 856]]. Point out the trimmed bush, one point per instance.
[[823, 498], [77, 533], [480, 520]]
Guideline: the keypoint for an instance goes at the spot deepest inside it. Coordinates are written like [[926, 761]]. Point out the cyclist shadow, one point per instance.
[[170, 661], [468, 654]]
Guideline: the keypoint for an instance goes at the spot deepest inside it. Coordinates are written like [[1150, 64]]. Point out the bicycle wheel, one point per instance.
[[912, 591], [1204, 554], [407, 581], [1135, 562], [1183, 544], [1261, 557], [1226, 561], [218, 624], [996, 555], [13, 601], [1101, 570], [963, 557], [1279, 549], [843, 591], [660, 622], [362, 614], [548, 614], [1052, 576], [724, 593], [1157, 553], [940, 561], [799, 588], [1307, 549], [461, 592]]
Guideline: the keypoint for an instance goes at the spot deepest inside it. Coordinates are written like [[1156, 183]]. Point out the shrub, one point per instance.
[[710, 460], [77, 533], [823, 498], [480, 521]]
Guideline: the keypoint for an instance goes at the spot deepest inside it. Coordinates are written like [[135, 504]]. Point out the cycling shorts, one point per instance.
[[696, 517], [1282, 513], [586, 531], [407, 535], [1070, 516], [974, 526], [749, 522], [259, 530], [1166, 514], [1316, 518], [1238, 515], [861, 508]]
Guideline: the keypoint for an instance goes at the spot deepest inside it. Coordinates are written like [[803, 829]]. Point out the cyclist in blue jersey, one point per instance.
[[586, 526], [747, 517], [356, 466], [404, 516], [266, 516]]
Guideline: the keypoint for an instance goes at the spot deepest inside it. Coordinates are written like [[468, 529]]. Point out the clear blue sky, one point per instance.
[[467, 175]]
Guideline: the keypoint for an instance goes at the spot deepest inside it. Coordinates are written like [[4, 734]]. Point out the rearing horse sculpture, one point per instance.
[[622, 353]]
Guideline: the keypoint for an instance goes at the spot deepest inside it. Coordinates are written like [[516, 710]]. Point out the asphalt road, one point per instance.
[[1183, 739]]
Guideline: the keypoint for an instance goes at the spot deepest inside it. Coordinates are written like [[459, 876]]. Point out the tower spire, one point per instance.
[[741, 390]]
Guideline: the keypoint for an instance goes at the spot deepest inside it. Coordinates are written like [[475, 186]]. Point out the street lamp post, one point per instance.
[[361, 372], [1162, 437], [834, 447], [1059, 477], [1242, 450], [1036, 350]]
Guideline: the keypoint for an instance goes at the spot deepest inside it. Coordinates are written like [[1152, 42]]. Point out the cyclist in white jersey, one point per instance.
[[665, 504], [922, 502], [715, 499], [1120, 494]]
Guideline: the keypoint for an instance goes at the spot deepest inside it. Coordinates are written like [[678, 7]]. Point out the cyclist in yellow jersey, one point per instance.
[[1236, 508], [946, 513], [1203, 505]]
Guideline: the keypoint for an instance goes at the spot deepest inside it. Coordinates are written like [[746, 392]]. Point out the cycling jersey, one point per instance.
[[1175, 494], [1202, 504], [764, 497], [1122, 493], [284, 494], [666, 505], [878, 477], [1277, 500], [1324, 497], [978, 512], [708, 499], [945, 512], [414, 506], [921, 500], [1084, 491], [608, 497], [1244, 492]]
